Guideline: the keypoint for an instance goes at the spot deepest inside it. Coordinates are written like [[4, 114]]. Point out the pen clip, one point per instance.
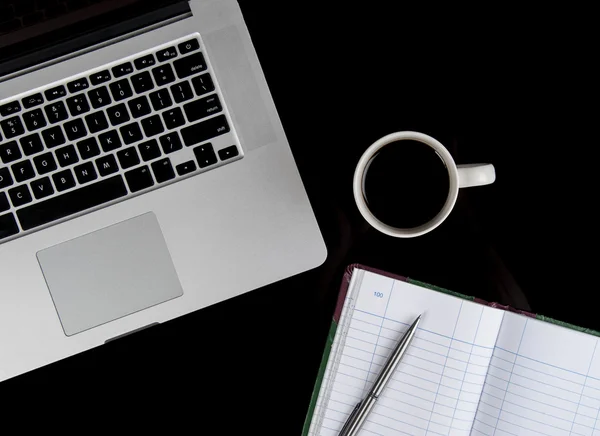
[[349, 420]]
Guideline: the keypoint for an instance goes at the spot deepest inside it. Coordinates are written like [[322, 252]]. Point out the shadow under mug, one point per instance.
[[460, 176]]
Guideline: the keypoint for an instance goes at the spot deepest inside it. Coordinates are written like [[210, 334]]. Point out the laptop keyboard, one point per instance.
[[118, 131]]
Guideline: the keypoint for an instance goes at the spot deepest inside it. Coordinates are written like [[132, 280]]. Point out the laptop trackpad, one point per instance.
[[108, 274]]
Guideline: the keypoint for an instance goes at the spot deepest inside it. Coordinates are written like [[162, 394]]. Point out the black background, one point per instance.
[[511, 87]]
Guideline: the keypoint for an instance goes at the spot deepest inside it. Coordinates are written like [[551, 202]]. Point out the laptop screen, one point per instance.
[[30, 26]]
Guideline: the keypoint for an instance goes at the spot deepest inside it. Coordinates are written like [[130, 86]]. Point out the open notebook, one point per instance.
[[470, 370]]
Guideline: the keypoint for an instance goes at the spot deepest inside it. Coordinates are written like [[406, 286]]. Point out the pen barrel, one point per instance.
[[395, 358], [355, 423]]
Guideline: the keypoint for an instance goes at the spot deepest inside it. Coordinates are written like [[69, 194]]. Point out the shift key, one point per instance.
[[8, 226], [205, 130]]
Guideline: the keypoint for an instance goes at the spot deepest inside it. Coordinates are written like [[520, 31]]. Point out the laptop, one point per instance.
[[144, 172]]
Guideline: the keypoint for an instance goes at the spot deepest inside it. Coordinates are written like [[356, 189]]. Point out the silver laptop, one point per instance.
[[144, 172]]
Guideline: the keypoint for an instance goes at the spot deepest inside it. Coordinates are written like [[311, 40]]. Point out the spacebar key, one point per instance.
[[71, 203]]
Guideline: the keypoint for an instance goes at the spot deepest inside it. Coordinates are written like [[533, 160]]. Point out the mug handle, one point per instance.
[[475, 175]]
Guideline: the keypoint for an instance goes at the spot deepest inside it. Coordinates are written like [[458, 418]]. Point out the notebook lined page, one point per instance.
[[543, 380], [436, 388]]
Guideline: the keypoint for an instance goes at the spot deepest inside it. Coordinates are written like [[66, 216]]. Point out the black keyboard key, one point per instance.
[[33, 100], [186, 168], [182, 91], [145, 62], [163, 170], [166, 53], [121, 90], [128, 158], [160, 99], [205, 155], [190, 65], [44, 163], [12, 127], [8, 109], [8, 226], [110, 140], [118, 114], [149, 150], [99, 97], [152, 126], [142, 82], [85, 173], [88, 148], [4, 206], [171, 142], [42, 188], [31, 144], [63, 180], [107, 165], [5, 178], [75, 129], [20, 195], [96, 122], [53, 137], [188, 46], [66, 156], [228, 153], [122, 70], [173, 118], [54, 93], [131, 133], [100, 77], [56, 112], [78, 85], [139, 179], [72, 202], [203, 108], [34, 119], [163, 74], [23, 171], [203, 84], [10, 152], [205, 130], [139, 107], [78, 105]]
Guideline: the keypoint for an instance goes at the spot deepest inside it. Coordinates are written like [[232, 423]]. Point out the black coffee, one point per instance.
[[406, 184]]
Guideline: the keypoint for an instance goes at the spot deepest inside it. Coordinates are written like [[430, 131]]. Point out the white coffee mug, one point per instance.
[[460, 176]]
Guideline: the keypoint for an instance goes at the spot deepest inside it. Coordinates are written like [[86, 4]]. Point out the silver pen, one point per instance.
[[362, 409]]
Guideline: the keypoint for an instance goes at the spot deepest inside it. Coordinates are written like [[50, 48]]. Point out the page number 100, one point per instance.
[[378, 294]]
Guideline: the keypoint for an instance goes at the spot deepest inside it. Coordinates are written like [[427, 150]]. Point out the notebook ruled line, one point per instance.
[[511, 372], [425, 330]]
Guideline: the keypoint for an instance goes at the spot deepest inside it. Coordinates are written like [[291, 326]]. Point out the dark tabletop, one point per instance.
[[492, 89]]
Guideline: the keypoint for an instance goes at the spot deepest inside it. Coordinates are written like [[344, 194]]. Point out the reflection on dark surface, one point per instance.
[[36, 31], [24, 19]]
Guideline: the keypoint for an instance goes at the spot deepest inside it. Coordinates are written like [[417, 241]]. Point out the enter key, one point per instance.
[[203, 108]]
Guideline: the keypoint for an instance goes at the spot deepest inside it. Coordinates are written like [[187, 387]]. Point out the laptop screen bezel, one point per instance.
[[64, 41]]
